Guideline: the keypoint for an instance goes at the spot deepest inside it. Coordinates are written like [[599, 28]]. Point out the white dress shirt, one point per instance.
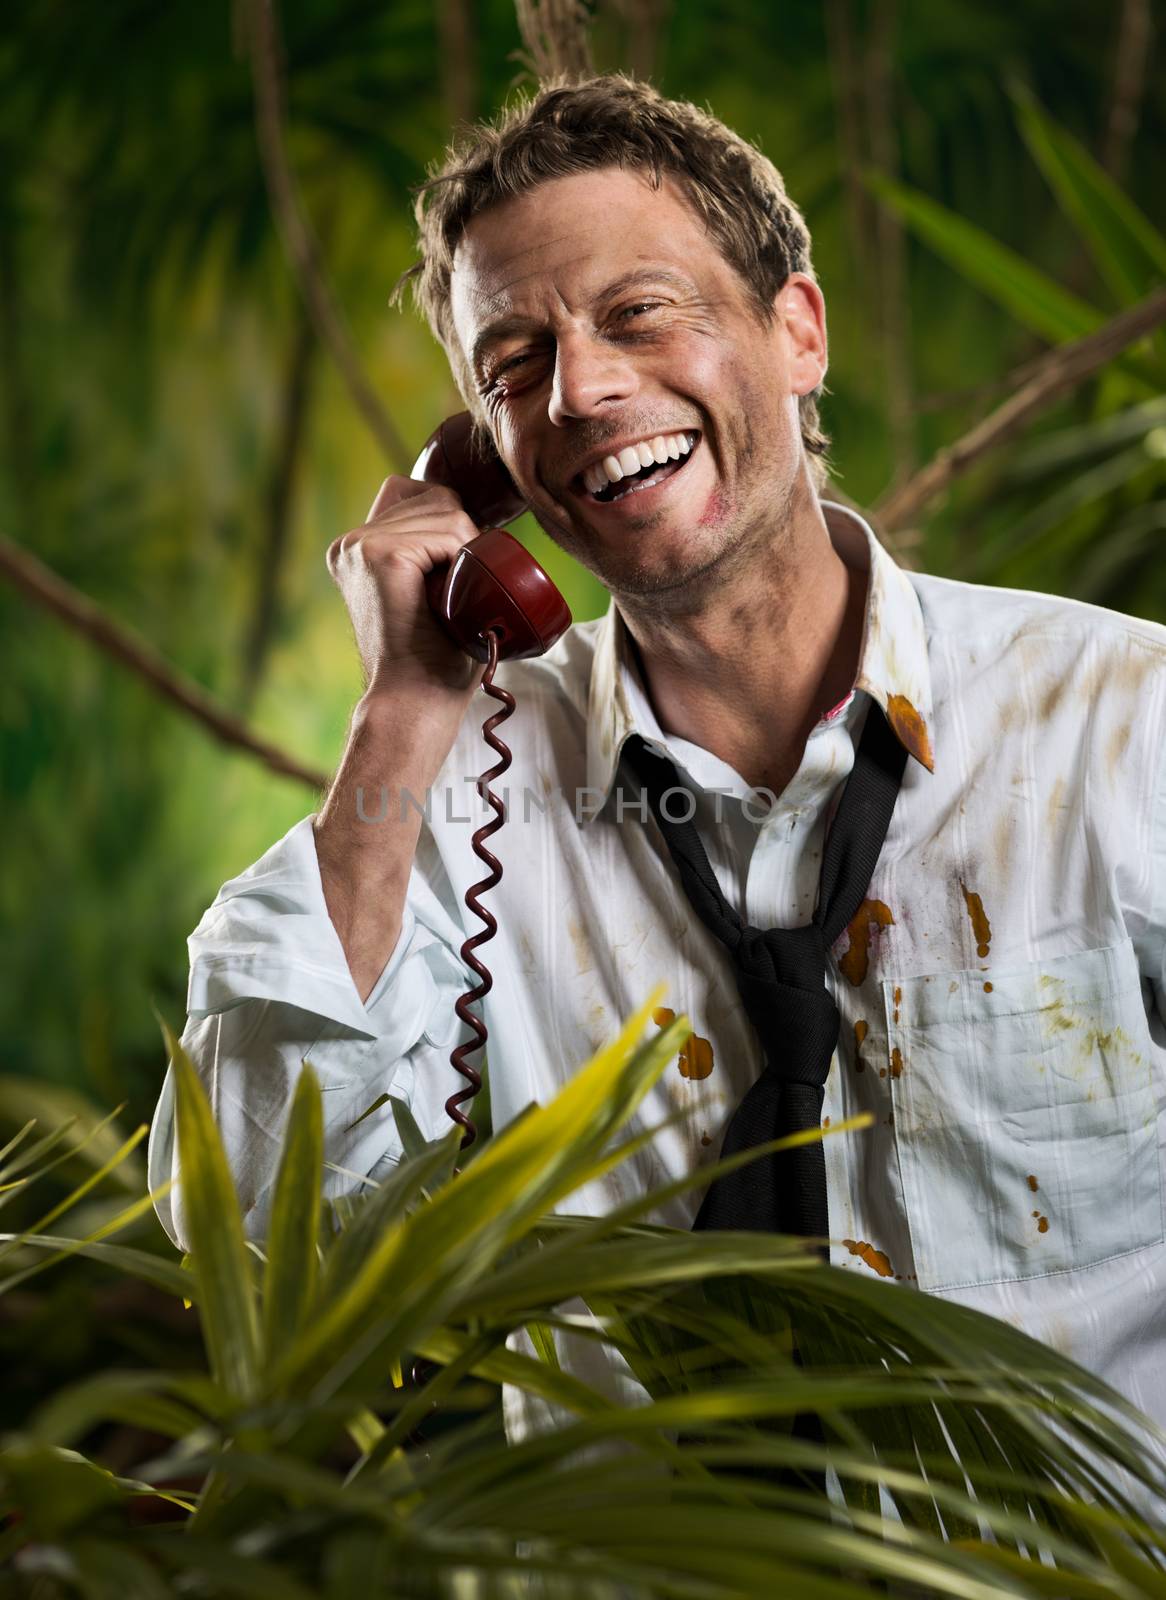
[[1003, 992]]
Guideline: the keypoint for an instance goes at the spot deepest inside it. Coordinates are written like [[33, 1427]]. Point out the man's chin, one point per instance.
[[645, 555]]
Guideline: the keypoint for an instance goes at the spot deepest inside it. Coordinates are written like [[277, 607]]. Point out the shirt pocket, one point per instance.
[[1025, 1117]]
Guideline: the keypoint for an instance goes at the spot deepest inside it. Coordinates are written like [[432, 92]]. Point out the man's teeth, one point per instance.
[[649, 452]]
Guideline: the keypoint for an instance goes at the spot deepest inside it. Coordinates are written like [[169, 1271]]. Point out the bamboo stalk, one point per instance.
[[456, 43], [554, 33], [894, 316], [847, 86], [1129, 81], [298, 239], [279, 504]]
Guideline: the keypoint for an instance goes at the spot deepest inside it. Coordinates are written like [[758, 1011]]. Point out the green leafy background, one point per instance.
[[161, 390]]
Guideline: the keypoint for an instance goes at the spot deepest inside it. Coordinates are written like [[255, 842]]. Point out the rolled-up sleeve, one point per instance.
[[270, 988]]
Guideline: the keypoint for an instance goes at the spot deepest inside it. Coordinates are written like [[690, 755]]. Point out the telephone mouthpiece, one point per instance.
[[495, 584]]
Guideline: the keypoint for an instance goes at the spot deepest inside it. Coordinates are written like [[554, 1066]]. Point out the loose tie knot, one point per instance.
[[795, 957], [781, 976]]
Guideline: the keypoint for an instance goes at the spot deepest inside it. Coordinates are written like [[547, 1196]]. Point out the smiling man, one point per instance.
[[925, 873]]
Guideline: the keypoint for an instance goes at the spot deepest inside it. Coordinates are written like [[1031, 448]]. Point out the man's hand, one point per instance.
[[419, 687], [380, 570]]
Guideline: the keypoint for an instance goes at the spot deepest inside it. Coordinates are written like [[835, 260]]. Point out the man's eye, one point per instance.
[[639, 307], [511, 363]]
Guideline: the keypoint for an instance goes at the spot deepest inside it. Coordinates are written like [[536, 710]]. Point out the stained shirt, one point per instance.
[[1002, 989]]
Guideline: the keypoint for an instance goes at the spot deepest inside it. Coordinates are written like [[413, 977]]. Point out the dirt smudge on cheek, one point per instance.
[[981, 927], [716, 509], [855, 962], [876, 1260]]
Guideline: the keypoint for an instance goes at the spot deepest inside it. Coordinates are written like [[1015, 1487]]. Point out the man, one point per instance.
[[609, 270]]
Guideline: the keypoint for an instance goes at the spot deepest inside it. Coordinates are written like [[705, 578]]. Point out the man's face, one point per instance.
[[598, 316]]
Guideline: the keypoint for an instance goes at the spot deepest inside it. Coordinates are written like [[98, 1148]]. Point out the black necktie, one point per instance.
[[781, 974]]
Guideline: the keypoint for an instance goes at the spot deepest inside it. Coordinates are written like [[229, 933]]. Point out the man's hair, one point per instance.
[[610, 121]]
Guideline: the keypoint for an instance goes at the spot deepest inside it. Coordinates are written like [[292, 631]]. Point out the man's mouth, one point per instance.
[[636, 467]]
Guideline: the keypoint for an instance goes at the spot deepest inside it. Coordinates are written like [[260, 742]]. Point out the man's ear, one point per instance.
[[801, 310]]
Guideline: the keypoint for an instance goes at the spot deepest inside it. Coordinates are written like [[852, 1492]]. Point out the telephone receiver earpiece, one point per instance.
[[452, 456], [493, 583]]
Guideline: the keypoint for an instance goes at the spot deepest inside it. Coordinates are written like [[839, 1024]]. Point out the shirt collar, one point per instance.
[[893, 666]]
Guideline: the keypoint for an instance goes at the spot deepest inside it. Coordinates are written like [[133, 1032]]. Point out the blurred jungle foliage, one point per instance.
[[177, 444]]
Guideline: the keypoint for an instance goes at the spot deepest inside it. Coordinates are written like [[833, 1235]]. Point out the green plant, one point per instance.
[[1080, 508], [298, 1437]]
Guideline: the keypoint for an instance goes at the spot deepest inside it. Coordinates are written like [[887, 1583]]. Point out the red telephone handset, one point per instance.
[[496, 603], [493, 582]]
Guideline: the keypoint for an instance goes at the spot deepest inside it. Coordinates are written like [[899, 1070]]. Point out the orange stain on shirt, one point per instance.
[[1032, 1183], [910, 729], [981, 927], [696, 1057], [876, 1260], [696, 1054], [896, 1062], [871, 913], [861, 1029]]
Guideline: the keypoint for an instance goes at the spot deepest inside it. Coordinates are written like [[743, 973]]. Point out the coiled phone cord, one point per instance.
[[462, 1005]]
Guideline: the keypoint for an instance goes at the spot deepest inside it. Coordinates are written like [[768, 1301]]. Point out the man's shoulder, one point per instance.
[[1062, 674], [982, 614]]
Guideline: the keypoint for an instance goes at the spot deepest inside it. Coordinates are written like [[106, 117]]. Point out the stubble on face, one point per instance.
[[715, 373], [737, 541]]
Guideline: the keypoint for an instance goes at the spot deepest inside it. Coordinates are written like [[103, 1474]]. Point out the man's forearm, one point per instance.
[[366, 841]]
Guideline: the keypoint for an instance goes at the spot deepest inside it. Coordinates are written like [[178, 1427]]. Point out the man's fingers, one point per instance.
[[397, 488]]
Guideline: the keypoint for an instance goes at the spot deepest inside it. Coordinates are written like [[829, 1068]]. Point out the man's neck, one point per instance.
[[750, 669]]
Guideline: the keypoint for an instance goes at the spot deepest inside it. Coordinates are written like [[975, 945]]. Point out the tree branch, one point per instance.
[[42, 585], [299, 242], [1059, 371]]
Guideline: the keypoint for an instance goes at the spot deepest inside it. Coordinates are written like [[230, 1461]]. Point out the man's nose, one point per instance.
[[590, 376]]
